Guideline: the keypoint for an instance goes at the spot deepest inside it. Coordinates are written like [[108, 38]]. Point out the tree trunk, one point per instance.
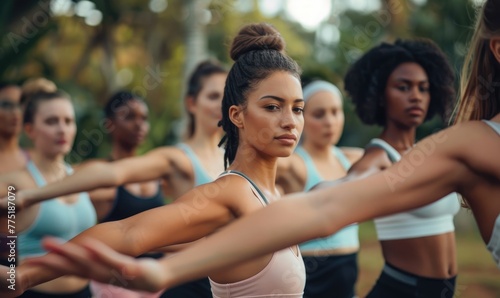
[[196, 39]]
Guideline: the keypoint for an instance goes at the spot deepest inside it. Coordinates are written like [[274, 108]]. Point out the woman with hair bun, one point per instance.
[[49, 122], [12, 156], [262, 117], [36, 85]]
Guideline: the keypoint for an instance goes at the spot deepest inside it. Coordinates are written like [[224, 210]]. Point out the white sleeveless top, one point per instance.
[[429, 220]]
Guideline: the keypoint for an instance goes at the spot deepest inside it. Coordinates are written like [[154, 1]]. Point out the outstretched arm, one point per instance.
[[304, 216], [196, 214], [439, 165], [99, 174], [319, 213]]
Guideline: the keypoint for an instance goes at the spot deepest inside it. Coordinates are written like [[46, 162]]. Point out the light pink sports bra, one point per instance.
[[283, 276]]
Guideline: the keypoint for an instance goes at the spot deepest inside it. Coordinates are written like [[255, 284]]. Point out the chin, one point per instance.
[[286, 152], [65, 151], [416, 123]]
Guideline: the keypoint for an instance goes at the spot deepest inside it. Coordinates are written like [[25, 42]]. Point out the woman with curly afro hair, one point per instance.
[[399, 86]]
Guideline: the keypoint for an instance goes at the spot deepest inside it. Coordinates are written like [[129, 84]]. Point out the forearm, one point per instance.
[[112, 234], [178, 247], [33, 275], [256, 234], [90, 177]]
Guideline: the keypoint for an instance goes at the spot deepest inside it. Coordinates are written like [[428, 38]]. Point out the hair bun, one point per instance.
[[254, 37]]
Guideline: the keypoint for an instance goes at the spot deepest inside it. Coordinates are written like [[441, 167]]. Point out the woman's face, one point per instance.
[[53, 129], [272, 120], [324, 119], [207, 106], [131, 125], [407, 95], [10, 111]]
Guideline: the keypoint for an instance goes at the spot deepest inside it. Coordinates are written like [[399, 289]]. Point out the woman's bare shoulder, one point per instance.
[[232, 191], [353, 153], [374, 159], [20, 179]]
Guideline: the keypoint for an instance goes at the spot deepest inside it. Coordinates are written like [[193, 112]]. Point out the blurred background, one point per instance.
[[94, 48]]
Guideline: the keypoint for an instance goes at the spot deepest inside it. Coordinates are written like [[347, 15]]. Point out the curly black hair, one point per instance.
[[118, 100], [366, 79]]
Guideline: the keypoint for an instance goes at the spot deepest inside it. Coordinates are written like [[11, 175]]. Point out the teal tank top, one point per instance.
[[200, 174], [348, 236], [55, 218]]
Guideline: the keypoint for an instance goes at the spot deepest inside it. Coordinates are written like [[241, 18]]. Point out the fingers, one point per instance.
[[70, 258], [142, 274], [54, 262], [91, 259], [110, 258]]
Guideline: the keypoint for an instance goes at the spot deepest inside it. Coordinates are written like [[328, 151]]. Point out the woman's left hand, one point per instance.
[[94, 260]]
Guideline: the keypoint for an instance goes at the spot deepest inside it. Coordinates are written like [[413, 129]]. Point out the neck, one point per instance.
[[262, 170], [46, 163], [119, 152], [318, 151], [9, 144], [401, 138]]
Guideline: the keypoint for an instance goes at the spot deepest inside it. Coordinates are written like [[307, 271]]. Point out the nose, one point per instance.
[[138, 123], [62, 128], [289, 119], [416, 94], [330, 120]]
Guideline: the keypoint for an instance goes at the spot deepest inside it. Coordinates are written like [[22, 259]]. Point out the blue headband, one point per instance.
[[318, 86]]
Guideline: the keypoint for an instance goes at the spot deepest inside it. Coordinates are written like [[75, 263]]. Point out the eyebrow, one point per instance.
[[408, 81], [280, 99]]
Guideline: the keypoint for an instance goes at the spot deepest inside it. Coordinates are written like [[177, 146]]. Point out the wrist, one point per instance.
[[167, 278], [25, 197], [22, 278]]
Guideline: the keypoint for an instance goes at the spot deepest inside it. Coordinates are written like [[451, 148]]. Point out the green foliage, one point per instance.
[[143, 51]]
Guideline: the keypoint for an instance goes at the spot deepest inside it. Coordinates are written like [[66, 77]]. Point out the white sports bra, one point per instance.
[[429, 220]]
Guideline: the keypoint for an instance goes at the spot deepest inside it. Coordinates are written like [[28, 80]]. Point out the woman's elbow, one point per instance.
[[325, 213]]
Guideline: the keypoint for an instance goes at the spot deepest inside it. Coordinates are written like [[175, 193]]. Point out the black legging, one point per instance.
[[396, 283], [331, 276]]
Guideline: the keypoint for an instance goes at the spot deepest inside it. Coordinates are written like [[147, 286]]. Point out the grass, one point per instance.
[[478, 276]]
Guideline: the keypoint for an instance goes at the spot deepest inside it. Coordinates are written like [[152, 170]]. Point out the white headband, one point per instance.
[[318, 86]]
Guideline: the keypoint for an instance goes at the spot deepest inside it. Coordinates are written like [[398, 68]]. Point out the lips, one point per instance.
[[415, 111], [287, 139]]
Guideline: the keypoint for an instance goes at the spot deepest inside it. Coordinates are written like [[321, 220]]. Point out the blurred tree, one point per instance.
[[93, 48], [448, 23]]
